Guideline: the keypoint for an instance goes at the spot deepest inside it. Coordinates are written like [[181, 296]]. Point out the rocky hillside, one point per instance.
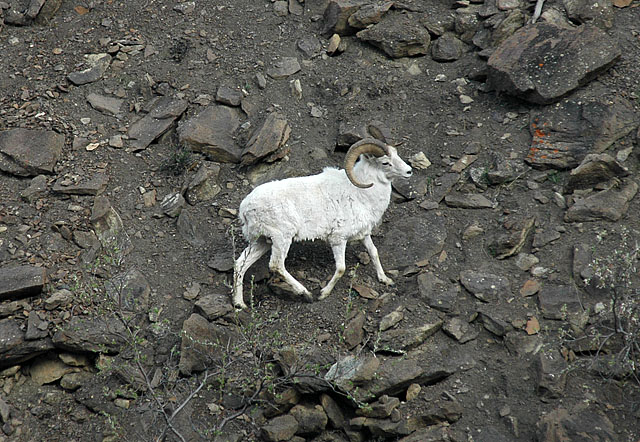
[[131, 131]]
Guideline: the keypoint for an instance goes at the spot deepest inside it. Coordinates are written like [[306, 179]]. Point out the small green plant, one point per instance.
[[180, 161]]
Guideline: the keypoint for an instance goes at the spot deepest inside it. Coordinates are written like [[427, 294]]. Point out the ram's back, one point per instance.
[[324, 206]]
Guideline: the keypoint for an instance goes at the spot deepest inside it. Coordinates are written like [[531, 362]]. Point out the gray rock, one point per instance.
[[310, 46], [398, 36], [468, 201], [310, 419], [92, 186], [597, 13], [504, 170], [608, 205], [62, 297], [563, 135], [37, 189], [296, 7], [521, 344], [333, 411], [460, 330], [211, 132], [441, 186], [571, 58], [435, 433], [213, 306], [524, 261], [494, 323], [439, 294], [352, 371], [98, 65], [486, 287], [105, 334], [594, 169], [447, 48], [29, 152], [367, 380], [188, 229], [203, 344], [36, 327], [45, 370], [13, 346], [108, 226], [73, 381], [228, 96], [507, 27], [280, 428], [467, 23], [354, 332], [222, 261], [368, 14], [391, 320], [172, 204], [130, 291], [268, 141], [411, 240], [402, 340], [21, 281], [163, 113], [551, 374], [559, 301], [584, 423], [284, 68], [381, 408], [106, 105], [280, 8], [542, 237], [307, 367], [511, 241], [336, 16]]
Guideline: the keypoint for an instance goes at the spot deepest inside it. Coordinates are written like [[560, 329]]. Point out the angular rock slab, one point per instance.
[[584, 423], [542, 62], [411, 240], [21, 281], [563, 135], [608, 205], [202, 344], [594, 169], [98, 65], [29, 152], [336, 16], [14, 348], [268, 141], [104, 104], [211, 132], [92, 186], [398, 35], [108, 226], [486, 286], [96, 335], [159, 119]]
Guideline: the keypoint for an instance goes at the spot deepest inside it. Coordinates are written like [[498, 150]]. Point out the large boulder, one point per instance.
[[542, 62]]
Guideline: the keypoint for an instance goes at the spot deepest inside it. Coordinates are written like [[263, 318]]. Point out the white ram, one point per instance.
[[333, 206]]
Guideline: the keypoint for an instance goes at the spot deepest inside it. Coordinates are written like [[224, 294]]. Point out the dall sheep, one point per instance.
[[333, 206]]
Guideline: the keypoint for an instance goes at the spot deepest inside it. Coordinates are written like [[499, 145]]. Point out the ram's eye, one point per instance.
[[385, 163]]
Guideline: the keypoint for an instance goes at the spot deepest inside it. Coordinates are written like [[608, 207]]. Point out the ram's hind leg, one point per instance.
[[279, 250], [246, 259], [373, 253], [338, 255]]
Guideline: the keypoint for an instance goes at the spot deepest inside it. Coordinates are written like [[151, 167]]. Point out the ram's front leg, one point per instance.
[[338, 254], [373, 253]]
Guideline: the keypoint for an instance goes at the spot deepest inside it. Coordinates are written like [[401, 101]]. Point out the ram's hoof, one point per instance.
[[386, 280], [307, 296], [239, 305]]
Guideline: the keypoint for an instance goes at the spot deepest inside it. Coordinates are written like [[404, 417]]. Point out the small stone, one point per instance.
[[419, 161], [228, 96], [334, 43], [413, 391]]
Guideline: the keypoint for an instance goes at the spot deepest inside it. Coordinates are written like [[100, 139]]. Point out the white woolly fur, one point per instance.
[[325, 206]]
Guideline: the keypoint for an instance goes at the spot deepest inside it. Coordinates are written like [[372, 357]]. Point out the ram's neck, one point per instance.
[[366, 172]]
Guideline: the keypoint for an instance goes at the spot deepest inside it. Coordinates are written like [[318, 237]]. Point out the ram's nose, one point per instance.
[[408, 173]]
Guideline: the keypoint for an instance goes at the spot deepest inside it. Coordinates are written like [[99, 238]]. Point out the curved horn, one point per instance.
[[368, 145]]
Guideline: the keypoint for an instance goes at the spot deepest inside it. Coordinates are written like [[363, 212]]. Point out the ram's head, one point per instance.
[[392, 163]]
